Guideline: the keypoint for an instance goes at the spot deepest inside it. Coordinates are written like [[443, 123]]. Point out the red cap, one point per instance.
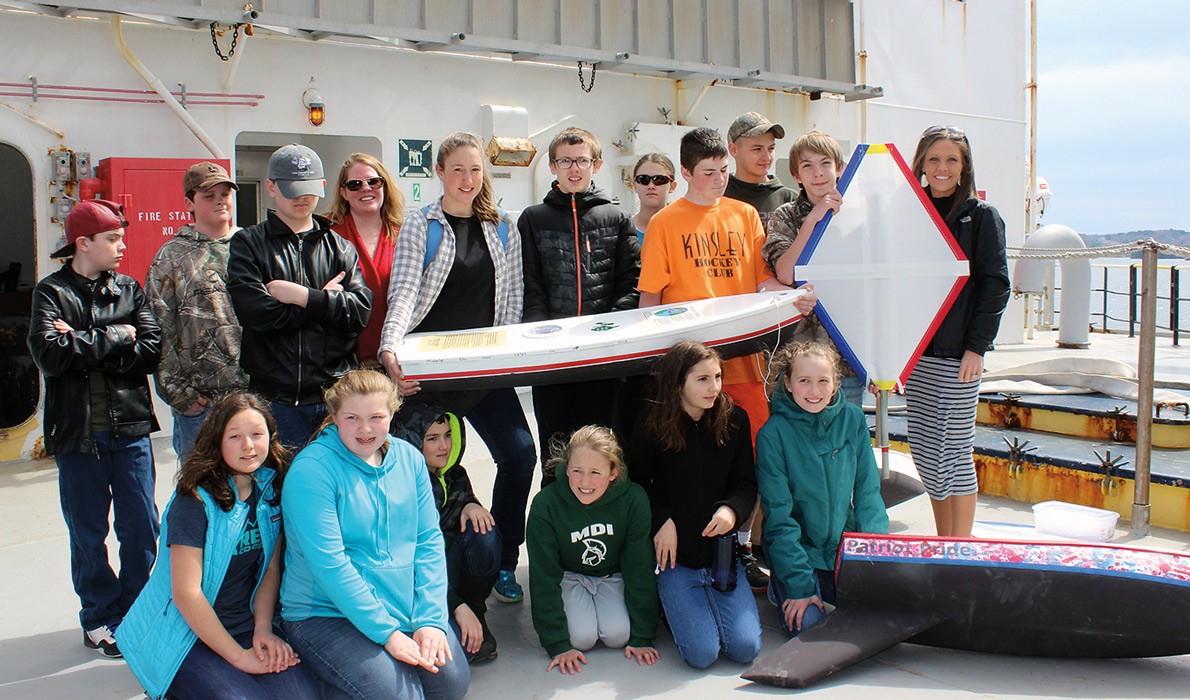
[[88, 218]]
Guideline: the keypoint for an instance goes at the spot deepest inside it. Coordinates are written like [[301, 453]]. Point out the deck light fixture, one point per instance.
[[313, 101]]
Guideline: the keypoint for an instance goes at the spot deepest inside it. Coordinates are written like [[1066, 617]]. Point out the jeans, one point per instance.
[[352, 666], [595, 610], [204, 674], [472, 561], [297, 424], [185, 431], [501, 425], [706, 622], [123, 475], [824, 588]]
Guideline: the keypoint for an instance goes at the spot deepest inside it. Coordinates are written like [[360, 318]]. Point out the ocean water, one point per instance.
[[1118, 299]]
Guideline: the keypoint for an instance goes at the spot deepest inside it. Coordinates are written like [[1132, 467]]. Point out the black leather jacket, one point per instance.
[[974, 320], [97, 311], [292, 353], [566, 234]]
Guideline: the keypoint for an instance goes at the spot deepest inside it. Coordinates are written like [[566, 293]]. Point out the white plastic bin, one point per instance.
[[1075, 521]]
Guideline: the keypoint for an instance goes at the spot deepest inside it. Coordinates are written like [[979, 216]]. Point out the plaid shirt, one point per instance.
[[412, 291]]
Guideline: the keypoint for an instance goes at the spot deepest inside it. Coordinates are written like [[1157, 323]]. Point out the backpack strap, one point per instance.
[[434, 235]]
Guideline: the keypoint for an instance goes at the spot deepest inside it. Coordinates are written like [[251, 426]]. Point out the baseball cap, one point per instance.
[[87, 218], [753, 124], [297, 170], [204, 175]]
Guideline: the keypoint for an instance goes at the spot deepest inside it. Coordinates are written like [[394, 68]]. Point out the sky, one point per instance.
[[1114, 113]]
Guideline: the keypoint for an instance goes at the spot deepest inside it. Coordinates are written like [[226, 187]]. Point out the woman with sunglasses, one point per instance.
[[942, 393], [653, 180], [368, 213], [468, 274]]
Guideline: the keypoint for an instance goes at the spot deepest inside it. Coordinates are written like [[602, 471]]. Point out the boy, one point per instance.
[[706, 245], [752, 140], [472, 553], [94, 338], [581, 256], [299, 295], [187, 290], [815, 161]]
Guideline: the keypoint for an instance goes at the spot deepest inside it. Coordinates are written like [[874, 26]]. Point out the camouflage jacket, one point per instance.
[[200, 336]]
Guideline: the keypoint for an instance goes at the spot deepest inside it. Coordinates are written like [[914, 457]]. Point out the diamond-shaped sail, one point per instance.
[[886, 268]]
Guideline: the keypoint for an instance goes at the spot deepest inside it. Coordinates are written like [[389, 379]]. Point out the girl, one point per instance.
[[368, 212], [467, 274], [364, 592], [818, 479], [693, 455], [590, 563], [942, 393], [203, 625], [653, 180]]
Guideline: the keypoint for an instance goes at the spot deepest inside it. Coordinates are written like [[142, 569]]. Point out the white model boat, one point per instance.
[[581, 348]]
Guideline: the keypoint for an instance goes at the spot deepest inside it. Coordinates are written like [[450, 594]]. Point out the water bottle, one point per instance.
[[723, 563]]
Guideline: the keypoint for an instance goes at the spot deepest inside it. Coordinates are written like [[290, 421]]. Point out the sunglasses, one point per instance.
[[658, 180], [948, 130], [357, 185]]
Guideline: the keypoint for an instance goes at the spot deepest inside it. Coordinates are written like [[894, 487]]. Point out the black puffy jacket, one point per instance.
[[571, 234], [97, 311], [291, 353], [974, 319]]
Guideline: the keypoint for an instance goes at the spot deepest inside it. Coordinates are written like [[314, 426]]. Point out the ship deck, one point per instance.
[[41, 655]]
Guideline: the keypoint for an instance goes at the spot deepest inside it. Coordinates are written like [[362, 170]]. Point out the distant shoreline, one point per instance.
[[1176, 237]]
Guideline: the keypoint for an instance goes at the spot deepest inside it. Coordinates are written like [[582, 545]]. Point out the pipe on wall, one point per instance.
[[160, 89]]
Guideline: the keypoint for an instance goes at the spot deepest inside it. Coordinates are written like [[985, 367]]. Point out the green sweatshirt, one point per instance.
[[609, 536]]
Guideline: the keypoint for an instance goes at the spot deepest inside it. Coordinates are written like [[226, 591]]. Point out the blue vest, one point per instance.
[[154, 637]]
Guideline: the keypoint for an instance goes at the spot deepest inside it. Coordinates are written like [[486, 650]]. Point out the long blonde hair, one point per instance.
[[358, 382], [392, 210], [484, 206]]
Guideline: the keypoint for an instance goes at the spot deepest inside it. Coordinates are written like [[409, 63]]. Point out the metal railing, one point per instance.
[[1144, 287], [1172, 296]]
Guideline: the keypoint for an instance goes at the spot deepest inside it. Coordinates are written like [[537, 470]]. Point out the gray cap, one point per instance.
[[753, 124], [297, 170]]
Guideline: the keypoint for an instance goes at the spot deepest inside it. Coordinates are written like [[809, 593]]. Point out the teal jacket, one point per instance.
[[606, 537], [818, 479], [154, 636], [364, 542]]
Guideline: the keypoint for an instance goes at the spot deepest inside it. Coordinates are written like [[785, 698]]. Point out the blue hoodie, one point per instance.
[[363, 541]]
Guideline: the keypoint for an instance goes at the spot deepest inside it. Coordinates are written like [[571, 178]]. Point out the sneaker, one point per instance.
[[757, 578], [507, 590], [102, 640], [487, 648]]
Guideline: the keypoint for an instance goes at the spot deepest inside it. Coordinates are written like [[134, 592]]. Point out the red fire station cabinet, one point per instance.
[[150, 190]]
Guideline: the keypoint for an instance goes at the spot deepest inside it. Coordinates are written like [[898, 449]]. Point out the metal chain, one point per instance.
[[581, 82], [235, 37]]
